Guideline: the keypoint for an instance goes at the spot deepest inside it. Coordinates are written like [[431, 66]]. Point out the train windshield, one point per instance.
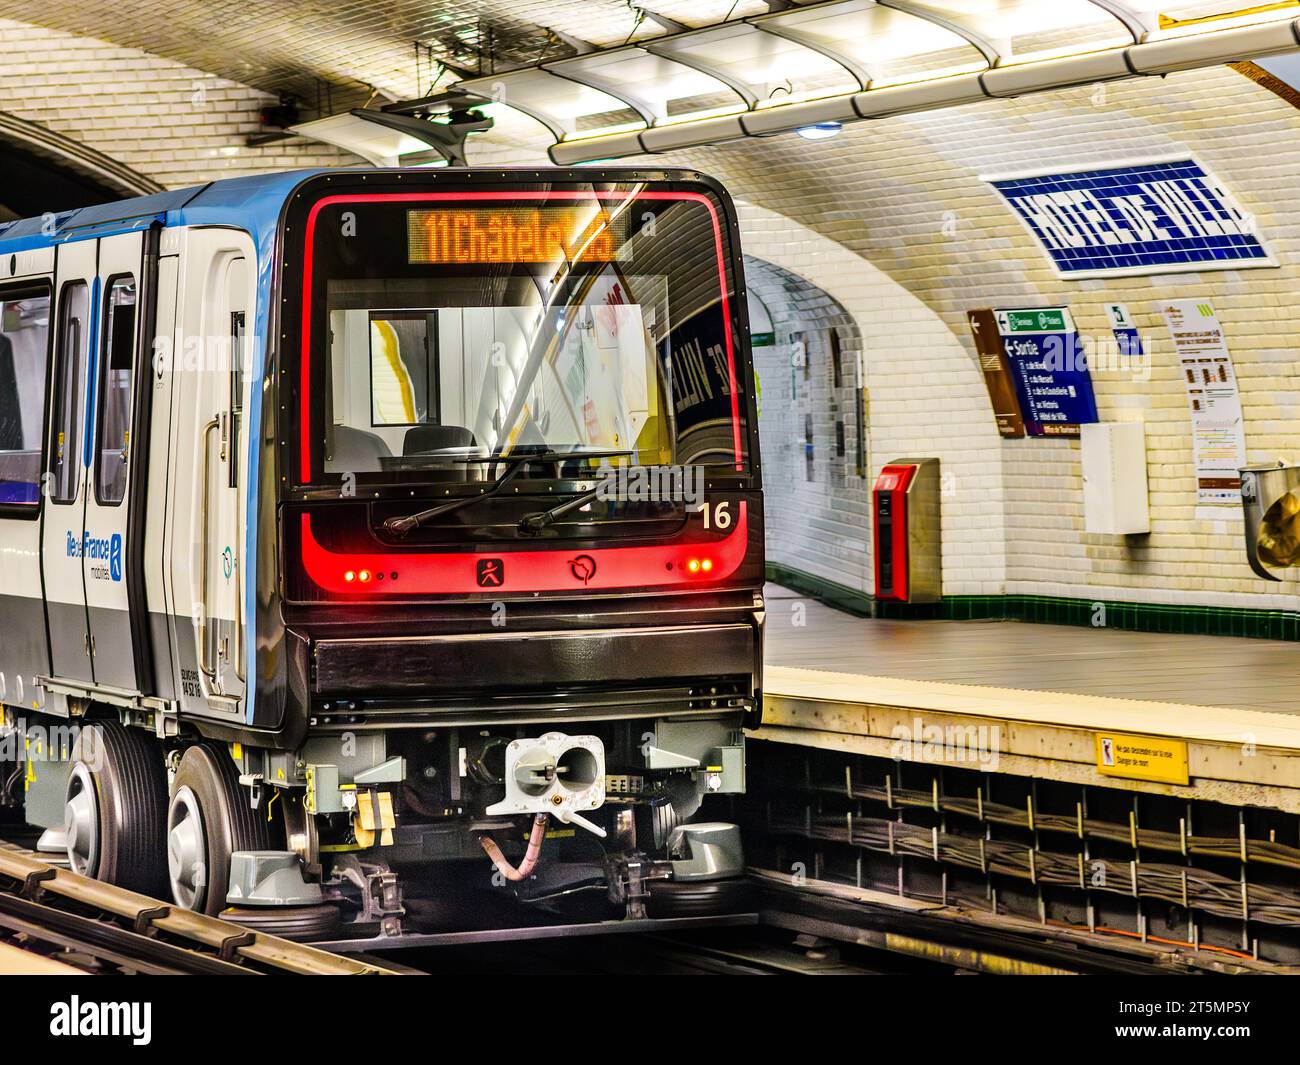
[[452, 328]]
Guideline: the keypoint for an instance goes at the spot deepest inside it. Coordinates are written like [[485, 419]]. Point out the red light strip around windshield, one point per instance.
[[436, 197], [550, 570]]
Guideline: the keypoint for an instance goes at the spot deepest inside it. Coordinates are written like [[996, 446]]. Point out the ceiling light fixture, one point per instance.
[[821, 131]]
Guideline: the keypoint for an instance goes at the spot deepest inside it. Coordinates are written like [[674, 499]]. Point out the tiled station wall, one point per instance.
[[901, 199], [169, 122], [819, 518], [892, 221], [817, 499], [892, 224]]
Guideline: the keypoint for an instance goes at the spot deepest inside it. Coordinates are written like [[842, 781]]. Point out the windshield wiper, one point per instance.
[[548, 455], [404, 525], [539, 520], [536, 522]]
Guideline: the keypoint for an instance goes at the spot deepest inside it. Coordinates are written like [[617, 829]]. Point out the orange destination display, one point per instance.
[[511, 235]]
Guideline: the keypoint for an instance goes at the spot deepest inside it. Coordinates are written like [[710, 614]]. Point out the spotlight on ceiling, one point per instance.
[[820, 132]]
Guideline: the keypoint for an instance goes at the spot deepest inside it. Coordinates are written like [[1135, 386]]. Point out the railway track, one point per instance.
[[61, 919], [746, 950], [52, 919]]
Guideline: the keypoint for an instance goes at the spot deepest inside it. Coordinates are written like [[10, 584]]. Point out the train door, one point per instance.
[[158, 477], [111, 453], [25, 307], [225, 501], [63, 540], [206, 509]]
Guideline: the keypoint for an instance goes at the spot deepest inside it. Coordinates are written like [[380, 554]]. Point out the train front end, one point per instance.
[[520, 534]]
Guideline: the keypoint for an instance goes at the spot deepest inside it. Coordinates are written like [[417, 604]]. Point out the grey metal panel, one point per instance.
[[22, 640], [446, 664], [44, 797], [164, 666], [68, 633], [114, 659]]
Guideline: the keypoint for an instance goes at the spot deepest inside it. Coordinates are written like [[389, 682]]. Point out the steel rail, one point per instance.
[[71, 912], [107, 942], [1000, 944]]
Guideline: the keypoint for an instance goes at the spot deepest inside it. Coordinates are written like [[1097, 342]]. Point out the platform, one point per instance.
[[837, 681]]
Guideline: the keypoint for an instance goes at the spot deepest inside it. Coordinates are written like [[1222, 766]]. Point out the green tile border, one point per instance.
[[1053, 610], [847, 599]]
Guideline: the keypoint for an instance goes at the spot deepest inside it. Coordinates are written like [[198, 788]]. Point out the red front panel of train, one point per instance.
[[443, 337]]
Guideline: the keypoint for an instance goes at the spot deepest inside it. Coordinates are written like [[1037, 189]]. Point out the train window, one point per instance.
[[236, 361], [598, 390], [69, 393], [573, 321], [24, 354], [403, 368], [236, 385], [117, 359]]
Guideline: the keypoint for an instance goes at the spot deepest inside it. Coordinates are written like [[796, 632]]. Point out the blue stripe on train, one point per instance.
[[87, 446]]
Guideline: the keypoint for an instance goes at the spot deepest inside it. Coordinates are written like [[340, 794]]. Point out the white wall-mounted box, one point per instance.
[[1114, 456]]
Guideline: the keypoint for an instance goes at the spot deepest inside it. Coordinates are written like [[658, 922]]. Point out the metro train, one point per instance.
[[383, 548]]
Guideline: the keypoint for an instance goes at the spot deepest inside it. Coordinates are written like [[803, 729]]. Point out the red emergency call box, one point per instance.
[[905, 523]]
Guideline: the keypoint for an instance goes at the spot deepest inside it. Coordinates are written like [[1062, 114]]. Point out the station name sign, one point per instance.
[[1143, 218]]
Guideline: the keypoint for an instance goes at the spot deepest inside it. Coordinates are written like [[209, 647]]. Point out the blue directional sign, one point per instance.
[[1143, 219], [1128, 341], [1049, 368]]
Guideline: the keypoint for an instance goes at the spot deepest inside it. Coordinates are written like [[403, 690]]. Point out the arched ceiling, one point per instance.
[[45, 170], [612, 78], [342, 52]]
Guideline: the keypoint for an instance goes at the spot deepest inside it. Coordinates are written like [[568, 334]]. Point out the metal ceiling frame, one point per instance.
[[1003, 75], [985, 46], [553, 124], [1132, 20], [764, 23], [645, 108], [770, 23], [445, 138], [448, 140], [1164, 55], [633, 101], [740, 88]]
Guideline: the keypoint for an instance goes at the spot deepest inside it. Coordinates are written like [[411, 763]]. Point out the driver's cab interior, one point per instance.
[[420, 387]]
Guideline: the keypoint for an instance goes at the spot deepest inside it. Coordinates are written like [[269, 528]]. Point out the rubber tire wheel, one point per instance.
[[699, 898], [229, 824], [299, 923], [131, 796]]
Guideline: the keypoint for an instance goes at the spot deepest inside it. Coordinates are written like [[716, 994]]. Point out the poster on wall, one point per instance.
[[1154, 216], [1048, 368], [1218, 433]]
